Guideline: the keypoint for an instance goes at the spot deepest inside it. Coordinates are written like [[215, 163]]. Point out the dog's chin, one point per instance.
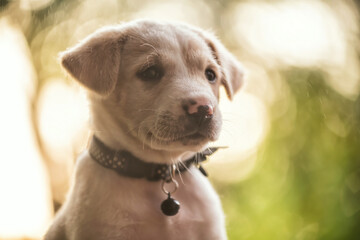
[[191, 142]]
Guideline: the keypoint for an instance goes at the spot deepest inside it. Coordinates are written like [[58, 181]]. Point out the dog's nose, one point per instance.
[[200, 107]]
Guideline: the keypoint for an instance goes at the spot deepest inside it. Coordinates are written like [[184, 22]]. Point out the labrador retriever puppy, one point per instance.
[[153, 89]]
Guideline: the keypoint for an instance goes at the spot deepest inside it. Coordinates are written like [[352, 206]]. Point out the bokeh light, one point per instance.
[[25, 205]]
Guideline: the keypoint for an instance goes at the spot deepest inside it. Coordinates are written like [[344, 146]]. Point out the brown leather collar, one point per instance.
[[125, 164]]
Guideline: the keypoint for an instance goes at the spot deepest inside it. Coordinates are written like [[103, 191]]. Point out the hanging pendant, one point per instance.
[[170, 206]]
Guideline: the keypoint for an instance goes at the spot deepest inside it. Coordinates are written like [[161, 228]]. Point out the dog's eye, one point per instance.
[[151, 73], [210, 75]]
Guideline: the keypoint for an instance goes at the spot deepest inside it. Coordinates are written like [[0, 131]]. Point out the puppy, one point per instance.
[[153, 93]]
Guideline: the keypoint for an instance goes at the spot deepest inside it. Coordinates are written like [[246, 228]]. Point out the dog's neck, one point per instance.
[[116, 136]]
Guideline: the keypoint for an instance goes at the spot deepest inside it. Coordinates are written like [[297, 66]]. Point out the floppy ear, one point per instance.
[[232, 71], [95, 62]]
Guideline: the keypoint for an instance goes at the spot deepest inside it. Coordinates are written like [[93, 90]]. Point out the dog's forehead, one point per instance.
[[166, 39]]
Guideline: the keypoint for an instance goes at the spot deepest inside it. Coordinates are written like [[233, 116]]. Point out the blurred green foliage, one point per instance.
[[307, 184]]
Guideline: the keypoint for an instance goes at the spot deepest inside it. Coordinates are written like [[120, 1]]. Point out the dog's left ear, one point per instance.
[[95, 62], [232, 71]]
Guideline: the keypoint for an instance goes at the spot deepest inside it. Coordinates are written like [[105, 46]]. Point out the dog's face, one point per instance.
[[159, 82]]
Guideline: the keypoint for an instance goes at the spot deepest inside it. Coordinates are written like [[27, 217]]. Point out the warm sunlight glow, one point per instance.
[[245, 126], [63, 125], [25, 208], [303, 34], [63, 113], [294, 32]]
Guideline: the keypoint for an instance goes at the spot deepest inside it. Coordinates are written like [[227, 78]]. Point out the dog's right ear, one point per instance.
[[95, 62]]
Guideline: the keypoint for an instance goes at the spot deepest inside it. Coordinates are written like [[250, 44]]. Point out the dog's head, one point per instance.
[[158, 81]]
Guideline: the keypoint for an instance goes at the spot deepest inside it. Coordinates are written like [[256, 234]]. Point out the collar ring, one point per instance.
[[173, 182]]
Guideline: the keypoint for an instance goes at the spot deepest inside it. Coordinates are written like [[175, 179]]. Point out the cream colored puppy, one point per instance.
[[153, 93]]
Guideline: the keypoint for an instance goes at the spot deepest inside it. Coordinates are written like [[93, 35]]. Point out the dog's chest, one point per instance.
[[116, 207]]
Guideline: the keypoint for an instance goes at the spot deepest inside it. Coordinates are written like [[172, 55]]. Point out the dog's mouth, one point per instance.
[[167, 130], [195, 136]]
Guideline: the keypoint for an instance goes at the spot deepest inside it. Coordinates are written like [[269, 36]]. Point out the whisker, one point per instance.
[[179, 172]]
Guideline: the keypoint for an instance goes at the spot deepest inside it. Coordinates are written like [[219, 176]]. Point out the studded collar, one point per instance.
[[125, 164]]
